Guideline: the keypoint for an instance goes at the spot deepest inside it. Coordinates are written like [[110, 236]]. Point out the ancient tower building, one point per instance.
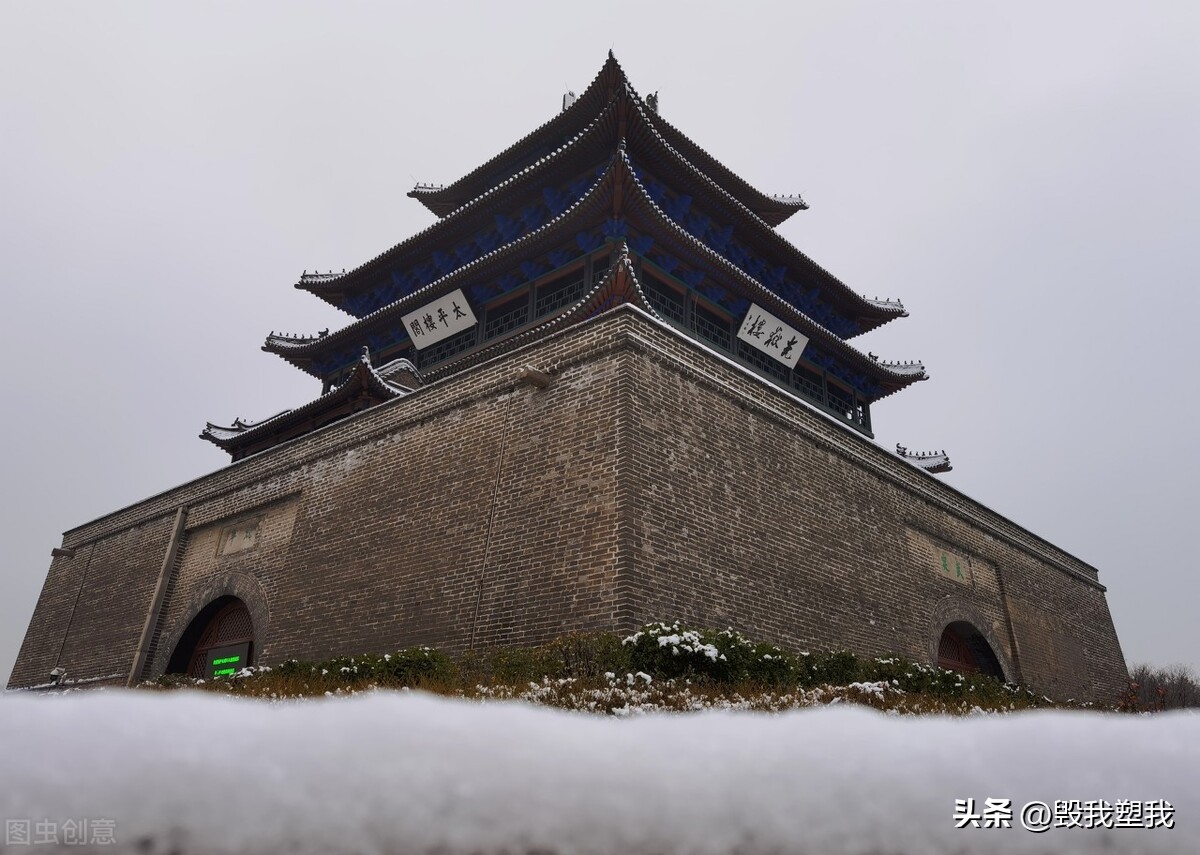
[[600, 390]]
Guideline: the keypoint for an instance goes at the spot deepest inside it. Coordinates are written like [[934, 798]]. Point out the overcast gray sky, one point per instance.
[[1023, 175]]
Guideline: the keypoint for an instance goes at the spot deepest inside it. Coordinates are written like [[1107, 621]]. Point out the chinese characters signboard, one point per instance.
[[767, 333], [440, 319]]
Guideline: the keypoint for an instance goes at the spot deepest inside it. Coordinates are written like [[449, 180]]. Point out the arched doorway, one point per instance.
[[218, 642], [963, 648]]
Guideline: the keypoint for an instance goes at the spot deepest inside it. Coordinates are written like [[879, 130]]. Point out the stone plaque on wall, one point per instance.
[[240, 536], [946, 561], [950, 565]]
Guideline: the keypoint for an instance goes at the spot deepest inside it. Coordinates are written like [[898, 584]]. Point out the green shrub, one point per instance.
[[522, 664], [819, 669], [414, 666], [584, 656]]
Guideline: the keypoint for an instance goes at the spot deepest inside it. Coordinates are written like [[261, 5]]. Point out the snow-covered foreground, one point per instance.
[[408, 773]]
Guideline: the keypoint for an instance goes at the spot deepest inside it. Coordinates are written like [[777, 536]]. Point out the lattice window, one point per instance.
[[666, 301], [763, 363], [554, 295], [712, 327], [809, 383], [840, 401], [506, 318], [448, 347], [954, 654]]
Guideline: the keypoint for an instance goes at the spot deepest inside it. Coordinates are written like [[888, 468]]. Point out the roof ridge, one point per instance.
[[759, 221], [575, 106]]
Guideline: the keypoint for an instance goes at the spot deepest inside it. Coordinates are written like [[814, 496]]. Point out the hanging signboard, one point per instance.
[[440, 319], [765, 332]]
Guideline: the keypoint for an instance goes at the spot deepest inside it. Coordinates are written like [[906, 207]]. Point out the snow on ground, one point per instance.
[[408, 773]]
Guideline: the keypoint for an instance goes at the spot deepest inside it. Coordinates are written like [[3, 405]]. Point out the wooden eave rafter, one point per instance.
[[617, 193], [643, 137], [592, 146], [623, 120], [596, 143], [641, 211], [589, 211], [443, 200]]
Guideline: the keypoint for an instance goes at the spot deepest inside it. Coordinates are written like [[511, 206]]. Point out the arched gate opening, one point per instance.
[[963, 648], [218, 642]]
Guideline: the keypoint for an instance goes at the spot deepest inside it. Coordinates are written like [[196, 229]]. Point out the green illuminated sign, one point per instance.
[[227, 660]]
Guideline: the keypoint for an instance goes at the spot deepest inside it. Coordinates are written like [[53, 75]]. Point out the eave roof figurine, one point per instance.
[[599, 390]]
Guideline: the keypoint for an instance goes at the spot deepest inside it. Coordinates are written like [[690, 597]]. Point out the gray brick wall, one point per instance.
[[650, 480]]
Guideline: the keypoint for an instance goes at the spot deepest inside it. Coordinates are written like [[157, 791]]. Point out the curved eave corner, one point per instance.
[[933, 462], [899, 375], [443, 199], [365, 382]]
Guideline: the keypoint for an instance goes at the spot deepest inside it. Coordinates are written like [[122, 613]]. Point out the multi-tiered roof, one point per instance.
[[606, 203]]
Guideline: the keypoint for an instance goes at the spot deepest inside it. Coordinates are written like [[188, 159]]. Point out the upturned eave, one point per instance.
[[443, 200]]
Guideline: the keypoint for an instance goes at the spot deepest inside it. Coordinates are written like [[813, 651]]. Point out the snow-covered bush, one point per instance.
[[725, 656]]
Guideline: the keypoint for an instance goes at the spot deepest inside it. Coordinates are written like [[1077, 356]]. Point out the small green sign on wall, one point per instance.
[[227, 661]]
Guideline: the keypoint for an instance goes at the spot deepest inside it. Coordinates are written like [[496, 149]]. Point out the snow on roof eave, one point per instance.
[[895, 308], [228, 438], [892, 305], [750, 190], [782, 206], [935, 463], [906, 369], [239, 426], [562, 117], [411, 300], [283, 340], [794, 201], [790, 199], [561, 151], [461, 211], [396, 365], [909, 372]]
